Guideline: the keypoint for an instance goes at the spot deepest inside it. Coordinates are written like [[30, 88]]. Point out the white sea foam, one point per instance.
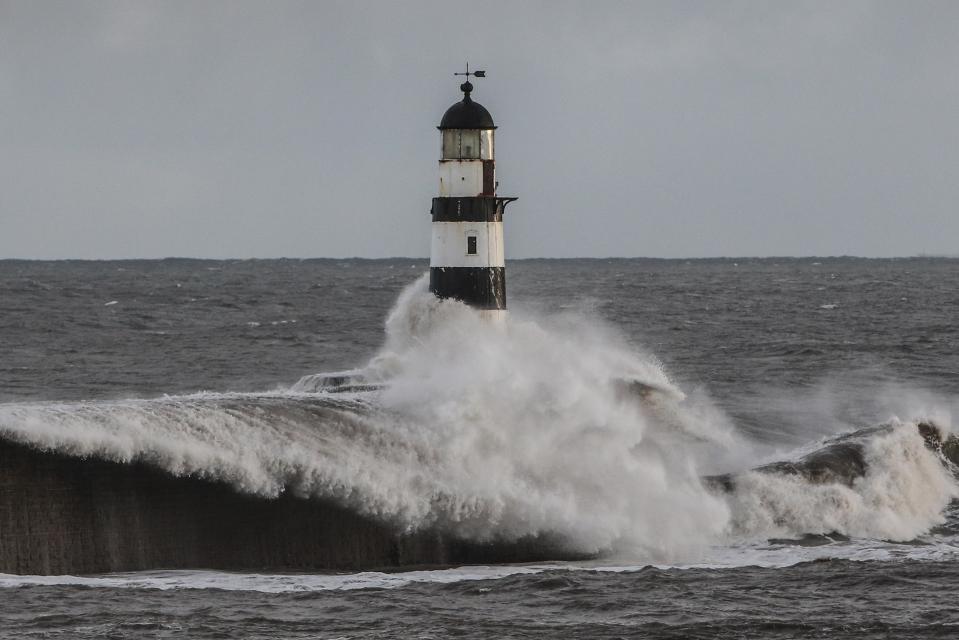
[[272, 583], [903, 494]]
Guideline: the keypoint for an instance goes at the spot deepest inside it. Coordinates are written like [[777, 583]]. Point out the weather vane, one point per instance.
[[475, 74]]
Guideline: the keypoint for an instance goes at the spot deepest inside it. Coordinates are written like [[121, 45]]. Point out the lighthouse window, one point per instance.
[[469, 144], [471, 245], [462, 144], [451, 144]]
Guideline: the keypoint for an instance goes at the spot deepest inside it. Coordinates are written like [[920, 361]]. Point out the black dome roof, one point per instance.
[[467, 114]]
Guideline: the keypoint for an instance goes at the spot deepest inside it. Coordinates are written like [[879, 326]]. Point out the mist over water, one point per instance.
[[592, 416]]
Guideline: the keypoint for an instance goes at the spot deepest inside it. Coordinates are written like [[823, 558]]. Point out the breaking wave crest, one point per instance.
[[497, 431], [902, 493]]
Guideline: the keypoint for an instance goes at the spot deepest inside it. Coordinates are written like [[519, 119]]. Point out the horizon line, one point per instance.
[[918, 256]]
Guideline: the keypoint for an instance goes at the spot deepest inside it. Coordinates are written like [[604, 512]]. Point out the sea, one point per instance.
[[498, 430]]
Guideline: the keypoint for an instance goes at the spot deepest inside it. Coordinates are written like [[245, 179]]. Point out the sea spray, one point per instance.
[[535, 433], [903, 493]]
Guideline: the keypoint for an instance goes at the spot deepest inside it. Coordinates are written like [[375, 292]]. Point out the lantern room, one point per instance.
[[466, 153]]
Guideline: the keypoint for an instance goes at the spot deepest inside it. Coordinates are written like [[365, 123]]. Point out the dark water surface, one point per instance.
[[790, 349], [828, 599]]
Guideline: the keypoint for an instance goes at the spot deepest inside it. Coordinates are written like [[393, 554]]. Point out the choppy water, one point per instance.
[[772, 355]]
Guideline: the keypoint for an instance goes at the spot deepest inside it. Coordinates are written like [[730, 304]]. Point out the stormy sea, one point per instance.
[[738, 448]]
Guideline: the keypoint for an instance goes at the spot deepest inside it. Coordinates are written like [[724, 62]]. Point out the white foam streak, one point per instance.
[[945, 549], [270, 583]]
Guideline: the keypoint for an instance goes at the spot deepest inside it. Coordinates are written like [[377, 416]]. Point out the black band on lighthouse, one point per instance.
[[479, 287], [475, 209]]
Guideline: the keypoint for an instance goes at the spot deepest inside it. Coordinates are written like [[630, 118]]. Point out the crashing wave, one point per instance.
[[509, 430]]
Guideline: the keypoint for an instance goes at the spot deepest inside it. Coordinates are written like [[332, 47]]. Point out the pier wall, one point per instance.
[[65, 515]]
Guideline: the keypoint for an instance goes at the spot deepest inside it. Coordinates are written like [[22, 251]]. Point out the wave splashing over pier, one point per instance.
[[496, 431]]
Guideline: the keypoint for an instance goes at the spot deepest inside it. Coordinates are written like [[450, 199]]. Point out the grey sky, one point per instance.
[[674, 129]]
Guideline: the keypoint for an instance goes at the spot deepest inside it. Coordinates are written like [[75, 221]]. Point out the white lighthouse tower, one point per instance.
[[467, 258]]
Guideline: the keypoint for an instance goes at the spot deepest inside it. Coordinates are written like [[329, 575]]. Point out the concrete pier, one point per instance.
[[65, 515]]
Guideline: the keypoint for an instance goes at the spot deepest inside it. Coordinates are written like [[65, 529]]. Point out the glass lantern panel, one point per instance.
[[486, 144], [451, 144], [467, 144]]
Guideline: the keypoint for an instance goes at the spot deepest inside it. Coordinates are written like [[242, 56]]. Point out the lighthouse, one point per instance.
[[467, 258]]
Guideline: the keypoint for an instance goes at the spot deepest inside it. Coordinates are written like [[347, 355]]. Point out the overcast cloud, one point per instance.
[[302, 129]]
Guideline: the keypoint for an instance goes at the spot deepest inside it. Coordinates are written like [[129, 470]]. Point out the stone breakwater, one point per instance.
[[66, 515], [61, 514]]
